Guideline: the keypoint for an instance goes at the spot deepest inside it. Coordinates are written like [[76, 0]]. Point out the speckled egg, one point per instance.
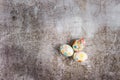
[[66, 50], [80, 56], [78, 45]]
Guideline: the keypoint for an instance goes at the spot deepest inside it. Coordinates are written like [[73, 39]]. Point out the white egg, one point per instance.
[[66, 50], [80, 56]]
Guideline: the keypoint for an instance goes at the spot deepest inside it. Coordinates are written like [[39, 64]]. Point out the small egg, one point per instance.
[[80, 56], [78, 45], [66, 50]]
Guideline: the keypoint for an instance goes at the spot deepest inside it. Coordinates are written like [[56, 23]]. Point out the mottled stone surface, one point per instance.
[[31, 32]]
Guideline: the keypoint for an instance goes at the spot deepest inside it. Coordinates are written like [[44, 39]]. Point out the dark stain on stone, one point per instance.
[[14, 18], [14, 14]]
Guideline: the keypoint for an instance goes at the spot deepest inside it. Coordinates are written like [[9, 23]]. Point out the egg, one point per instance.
[[66, 50], [78, 45], [80, 56]]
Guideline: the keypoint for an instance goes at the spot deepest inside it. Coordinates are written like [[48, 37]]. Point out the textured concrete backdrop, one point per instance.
[[31, 32]]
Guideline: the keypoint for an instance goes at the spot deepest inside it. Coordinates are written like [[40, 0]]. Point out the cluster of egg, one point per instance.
[[75, 50]]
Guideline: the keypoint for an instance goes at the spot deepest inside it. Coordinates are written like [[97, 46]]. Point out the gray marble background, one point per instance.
[[31, 32]]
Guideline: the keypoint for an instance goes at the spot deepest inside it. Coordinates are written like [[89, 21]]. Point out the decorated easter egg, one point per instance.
[[80, 56], [66, 50], [78, 45]]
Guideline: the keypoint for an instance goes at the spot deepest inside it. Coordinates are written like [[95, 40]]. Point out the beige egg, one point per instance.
[[80, 56], [66, 50]]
